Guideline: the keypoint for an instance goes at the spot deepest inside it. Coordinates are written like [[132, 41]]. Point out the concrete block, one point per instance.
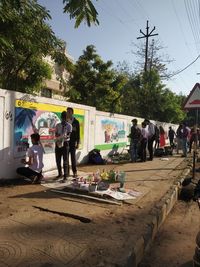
[[162, 215]]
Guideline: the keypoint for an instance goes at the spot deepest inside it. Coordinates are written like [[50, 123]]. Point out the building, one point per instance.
[[54, 88]]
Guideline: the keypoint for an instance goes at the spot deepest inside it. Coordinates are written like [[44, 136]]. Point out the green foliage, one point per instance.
[[145, 96], [25, 38], [81, 10], [94, 83]]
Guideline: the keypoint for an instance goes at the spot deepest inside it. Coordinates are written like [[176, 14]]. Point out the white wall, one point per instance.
[[94, 125]]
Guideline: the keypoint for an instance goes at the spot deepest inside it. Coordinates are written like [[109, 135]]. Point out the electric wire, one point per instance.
[[192, 21], [182, 32], [185, 67]]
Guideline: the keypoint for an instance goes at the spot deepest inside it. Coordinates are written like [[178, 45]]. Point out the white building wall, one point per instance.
[[94, 123]]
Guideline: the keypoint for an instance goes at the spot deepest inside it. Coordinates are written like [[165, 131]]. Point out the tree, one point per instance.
[[146, 96], [94, 83], [81, 10], [155, 59], [25, 39]]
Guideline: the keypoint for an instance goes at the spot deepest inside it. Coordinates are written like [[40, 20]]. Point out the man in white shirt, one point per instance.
[[151, 137], [62, 134], [34, 162]]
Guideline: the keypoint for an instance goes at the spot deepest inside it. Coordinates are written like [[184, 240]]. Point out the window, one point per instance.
[[46, 92]]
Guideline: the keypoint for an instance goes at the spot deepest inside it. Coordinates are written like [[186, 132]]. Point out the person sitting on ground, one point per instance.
[[35, 161]]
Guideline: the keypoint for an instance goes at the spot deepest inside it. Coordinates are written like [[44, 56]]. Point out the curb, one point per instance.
[[158, 216]]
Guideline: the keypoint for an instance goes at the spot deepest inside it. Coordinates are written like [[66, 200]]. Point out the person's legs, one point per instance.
[[29, 173], [65, 154], [26, 172], [184, 147], [145, 147], [132, 151], [58, 153], [171, 142], [142, 150], [73, 159], [190, 144], [150, 148], [135, 150]]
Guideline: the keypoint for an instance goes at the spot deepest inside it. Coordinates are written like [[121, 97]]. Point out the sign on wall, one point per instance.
[[33, 116], [111, 133]]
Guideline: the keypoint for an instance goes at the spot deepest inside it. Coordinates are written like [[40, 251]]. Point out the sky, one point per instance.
[[176, 22]]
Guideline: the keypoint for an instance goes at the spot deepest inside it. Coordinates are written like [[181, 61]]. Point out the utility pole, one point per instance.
[[147, 35]]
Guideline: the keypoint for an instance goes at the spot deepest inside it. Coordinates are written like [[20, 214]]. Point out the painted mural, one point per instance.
[[112, 132], [33, 117]]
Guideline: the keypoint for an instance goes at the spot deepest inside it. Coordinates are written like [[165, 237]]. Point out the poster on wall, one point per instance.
[[33, 117], [111, 133]]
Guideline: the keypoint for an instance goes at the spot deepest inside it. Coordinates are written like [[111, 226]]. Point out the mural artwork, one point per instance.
[[33, 117], [112, 131]]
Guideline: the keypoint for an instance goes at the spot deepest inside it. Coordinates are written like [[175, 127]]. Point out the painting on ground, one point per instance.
[[33, 117]]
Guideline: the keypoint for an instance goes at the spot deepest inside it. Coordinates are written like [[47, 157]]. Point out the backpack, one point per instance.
[[95, 157], [159, 152]]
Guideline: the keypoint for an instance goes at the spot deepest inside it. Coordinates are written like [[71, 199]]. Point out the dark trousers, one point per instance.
[[143, 149], [72, 151], [27, 172], [150, 147], [171, 141], [62, 153]]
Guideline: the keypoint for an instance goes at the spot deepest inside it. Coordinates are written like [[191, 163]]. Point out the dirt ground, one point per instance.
[[174, 244], [32, 237]]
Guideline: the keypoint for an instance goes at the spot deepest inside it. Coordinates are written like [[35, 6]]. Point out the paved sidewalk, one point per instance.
[[116, 236]]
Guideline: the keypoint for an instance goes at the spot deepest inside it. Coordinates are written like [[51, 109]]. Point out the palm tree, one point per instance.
[[25, 118]]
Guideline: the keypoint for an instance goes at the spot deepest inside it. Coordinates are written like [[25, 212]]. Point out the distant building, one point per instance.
[[53, 88]]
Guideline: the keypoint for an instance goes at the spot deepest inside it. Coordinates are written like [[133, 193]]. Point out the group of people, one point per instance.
[[67, 139], [141, 139], [151, 137], [186, 137]]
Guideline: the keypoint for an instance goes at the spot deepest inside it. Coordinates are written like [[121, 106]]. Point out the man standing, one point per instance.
[[135, 137], [151, 137], [62, 133], [171, 135], [74, 138], [185, 132]]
